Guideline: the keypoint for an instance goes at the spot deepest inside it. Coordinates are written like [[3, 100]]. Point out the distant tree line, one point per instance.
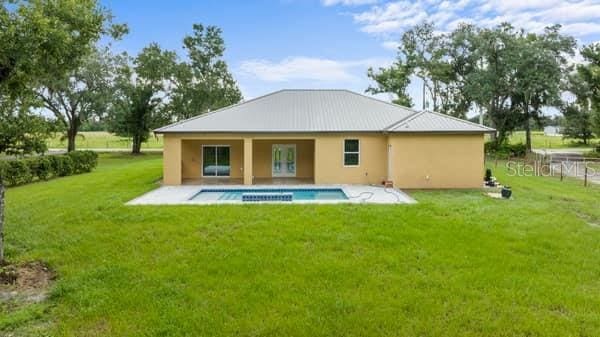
[[505, 74]]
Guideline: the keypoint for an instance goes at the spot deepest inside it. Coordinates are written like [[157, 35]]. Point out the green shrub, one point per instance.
[[488, 175], [23, 171], [2, 171], [83, 161], [41, 167], [506, 150], [63, 166], [16, 172], [592, 154]]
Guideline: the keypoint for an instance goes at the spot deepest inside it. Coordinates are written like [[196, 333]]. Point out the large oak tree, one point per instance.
[[141, 93], [40, 40]]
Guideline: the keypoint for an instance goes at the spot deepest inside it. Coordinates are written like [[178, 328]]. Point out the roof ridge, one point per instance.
[[461, 120], [403, 120], [415, 116], [215, 111]]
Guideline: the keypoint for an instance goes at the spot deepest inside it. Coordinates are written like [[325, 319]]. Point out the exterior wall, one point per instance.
[[329, 159], [417, 160], [437, 160], [262, 157], [191, 157]]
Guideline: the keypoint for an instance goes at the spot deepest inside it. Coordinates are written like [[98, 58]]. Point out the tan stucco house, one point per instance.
[[324, 137]]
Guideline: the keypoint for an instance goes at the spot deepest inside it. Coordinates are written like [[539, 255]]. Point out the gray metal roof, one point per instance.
[[427, 121], [316, 111]]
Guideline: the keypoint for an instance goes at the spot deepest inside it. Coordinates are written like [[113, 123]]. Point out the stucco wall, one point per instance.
[[262, 157], [417, 160], [171, 160], [437, 160], [329, 155]]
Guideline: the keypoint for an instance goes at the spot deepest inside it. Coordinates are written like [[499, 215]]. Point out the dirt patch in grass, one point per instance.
[[27, 282]]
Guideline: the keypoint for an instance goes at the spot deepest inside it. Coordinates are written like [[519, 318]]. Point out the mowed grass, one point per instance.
[[456, 264], [541, 141], [102, 140]]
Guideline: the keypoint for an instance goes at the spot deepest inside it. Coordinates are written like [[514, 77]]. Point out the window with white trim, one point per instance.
[[351, 152]]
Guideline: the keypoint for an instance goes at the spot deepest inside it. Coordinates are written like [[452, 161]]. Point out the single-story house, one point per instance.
[[553, 131], [324, 137]]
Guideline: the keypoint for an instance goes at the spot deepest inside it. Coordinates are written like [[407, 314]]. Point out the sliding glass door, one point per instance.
[[215, 161]]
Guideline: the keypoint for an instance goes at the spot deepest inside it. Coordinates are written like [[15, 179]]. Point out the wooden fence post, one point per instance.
[[585, 176]]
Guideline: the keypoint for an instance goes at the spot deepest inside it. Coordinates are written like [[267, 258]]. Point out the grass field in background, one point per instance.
[[456, 264], [102, 140], [541, 141]]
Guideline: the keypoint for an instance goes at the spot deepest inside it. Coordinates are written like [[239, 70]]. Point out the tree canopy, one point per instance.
[[589, 75], [204, 82], [502, 71], [141, 93], [81, 94], [43, 41]]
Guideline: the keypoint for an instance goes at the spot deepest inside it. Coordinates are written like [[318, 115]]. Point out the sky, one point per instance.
[[277, 44]]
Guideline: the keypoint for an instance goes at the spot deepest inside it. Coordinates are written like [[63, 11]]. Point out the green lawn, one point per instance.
[[455, 264], [102, 140], [540, 141]]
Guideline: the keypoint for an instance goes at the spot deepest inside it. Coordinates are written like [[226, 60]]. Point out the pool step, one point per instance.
[[267, 196]]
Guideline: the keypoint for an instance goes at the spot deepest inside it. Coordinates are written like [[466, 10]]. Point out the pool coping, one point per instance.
[[182, 195]]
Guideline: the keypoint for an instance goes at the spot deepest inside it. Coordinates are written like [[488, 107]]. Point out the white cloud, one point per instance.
[[579, 17], [307, 68], [391, 17], [347, 2], [391, 45]]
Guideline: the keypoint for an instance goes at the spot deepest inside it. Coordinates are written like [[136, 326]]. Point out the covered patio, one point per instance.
[[224, 160]]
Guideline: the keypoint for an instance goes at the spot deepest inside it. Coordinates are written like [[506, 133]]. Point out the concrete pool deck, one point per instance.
[[357, 194]]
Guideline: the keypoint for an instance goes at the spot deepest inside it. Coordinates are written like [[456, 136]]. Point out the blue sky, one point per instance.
[[329, 43]]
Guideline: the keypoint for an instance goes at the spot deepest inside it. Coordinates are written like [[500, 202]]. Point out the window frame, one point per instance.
[[216, 160], [344, 152]]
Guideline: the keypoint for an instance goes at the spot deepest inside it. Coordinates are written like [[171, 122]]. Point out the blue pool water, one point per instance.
[[297, 194]]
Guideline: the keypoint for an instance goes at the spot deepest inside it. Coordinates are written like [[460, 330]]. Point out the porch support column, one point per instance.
[[316, 176], [248, 161], [172, 160]]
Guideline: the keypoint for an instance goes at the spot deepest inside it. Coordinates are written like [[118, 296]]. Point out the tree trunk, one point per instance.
[[1, 223], [490, 112], [71, 135], [527, 129], [136, 145]]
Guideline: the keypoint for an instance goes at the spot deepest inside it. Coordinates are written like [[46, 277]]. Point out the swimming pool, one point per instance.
[[270, 194]]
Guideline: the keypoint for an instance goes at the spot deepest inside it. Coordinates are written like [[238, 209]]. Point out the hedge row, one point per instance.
[[24, 171], [594, 153], [506, 150]]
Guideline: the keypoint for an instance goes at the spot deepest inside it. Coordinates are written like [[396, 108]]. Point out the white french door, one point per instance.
[[284, 160]]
